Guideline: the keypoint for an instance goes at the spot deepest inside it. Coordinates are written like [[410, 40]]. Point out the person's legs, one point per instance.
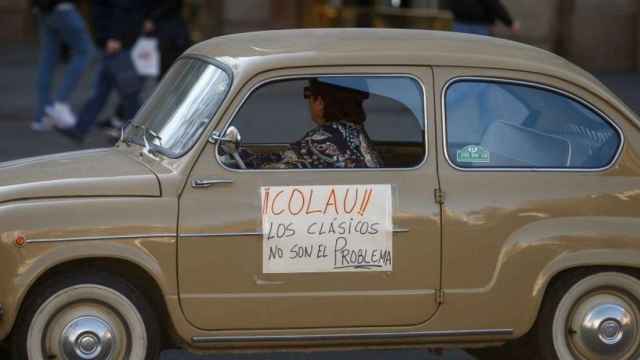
[[129, 85], [49, 52], [74, 33], [92, 108], [477, 29]]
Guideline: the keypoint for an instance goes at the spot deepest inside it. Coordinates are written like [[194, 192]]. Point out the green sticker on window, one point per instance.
[[473, 154]]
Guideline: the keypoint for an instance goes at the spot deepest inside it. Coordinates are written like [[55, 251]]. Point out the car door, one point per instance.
[[526, 160], [227, 274]]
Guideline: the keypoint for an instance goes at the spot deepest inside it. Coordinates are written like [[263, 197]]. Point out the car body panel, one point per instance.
[[516, 223], [102, 172]]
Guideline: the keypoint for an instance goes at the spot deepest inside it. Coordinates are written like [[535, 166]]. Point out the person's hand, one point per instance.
[[149, 27], [515, 27], [112, 46]]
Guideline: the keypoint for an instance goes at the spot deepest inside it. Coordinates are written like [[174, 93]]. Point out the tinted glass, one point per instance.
[[506, 125], [278, 115]]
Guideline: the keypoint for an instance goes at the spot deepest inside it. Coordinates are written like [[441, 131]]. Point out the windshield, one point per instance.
[[181, 107]]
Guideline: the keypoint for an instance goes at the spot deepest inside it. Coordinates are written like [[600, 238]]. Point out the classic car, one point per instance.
[[337, 188]]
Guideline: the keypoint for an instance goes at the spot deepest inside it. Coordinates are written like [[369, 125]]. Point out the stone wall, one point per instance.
[[539, 22], [638, 44], [599, 35], [17, 21]]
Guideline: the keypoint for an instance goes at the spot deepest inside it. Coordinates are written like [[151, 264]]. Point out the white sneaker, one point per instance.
[[45, 124], [61, 115]]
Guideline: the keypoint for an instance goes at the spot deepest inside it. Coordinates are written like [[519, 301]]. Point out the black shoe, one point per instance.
[[71, 134], [113, 122]]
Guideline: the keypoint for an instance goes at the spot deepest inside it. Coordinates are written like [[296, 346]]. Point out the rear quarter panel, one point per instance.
[[506, 234]]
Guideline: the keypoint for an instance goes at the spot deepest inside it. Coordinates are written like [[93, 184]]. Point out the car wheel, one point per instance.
[[591, 316], [97, 316]]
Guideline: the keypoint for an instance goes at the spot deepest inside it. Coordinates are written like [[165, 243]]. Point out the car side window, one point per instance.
[[329, 122], [493, 124]]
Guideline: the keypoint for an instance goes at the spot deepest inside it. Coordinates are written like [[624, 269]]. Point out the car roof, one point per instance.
[[255, 52]]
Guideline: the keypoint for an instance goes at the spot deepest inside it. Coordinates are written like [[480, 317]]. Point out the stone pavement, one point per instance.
[[17, 140]]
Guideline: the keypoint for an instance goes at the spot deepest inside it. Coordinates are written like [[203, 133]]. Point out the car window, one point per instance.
[[365, 122], [181, 107], [492, 124]]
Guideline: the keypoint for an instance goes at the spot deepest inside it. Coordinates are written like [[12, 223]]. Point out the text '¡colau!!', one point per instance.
[[301, 201]]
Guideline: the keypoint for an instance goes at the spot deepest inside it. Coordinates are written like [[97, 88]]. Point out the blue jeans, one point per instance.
[[61, 26], [469, 28], [117, 73]]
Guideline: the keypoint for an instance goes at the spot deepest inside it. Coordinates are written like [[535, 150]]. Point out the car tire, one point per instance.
[[86, 316], [590, 315]]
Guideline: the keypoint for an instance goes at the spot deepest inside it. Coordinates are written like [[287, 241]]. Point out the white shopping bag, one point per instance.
[[146, 57]]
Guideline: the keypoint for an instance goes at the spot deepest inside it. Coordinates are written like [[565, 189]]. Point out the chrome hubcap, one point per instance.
[[87, 337], [610, 332], [604, 326]]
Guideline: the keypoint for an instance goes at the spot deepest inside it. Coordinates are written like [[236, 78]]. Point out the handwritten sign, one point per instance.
[[326, 228]]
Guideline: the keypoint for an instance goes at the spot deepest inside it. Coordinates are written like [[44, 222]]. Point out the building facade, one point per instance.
[[600, 35]]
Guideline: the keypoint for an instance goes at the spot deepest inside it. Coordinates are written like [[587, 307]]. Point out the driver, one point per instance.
[[338, 141]]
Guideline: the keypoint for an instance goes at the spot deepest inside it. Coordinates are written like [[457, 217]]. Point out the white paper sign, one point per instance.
[[327, 228]]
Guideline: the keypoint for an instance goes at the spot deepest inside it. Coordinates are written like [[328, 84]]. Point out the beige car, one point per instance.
[[337, 188]]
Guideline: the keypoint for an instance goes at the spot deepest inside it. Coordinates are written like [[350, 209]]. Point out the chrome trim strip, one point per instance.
[[203, 184], [256, 233], [229, 234], [369, 336], [535, 85], [98, 238], [149, 236], [310, 294], [312, 75]]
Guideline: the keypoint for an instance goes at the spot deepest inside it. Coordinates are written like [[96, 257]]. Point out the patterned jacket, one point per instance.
[[338, 144]]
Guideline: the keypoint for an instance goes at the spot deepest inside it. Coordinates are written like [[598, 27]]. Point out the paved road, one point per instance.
[[17, 77]]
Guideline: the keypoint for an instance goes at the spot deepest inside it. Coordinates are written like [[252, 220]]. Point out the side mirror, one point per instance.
[[230, 143]]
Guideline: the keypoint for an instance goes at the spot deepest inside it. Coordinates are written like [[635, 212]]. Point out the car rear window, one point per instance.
[[501, 124]]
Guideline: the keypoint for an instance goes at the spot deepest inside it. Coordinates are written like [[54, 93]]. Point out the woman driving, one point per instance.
[[338, 141]]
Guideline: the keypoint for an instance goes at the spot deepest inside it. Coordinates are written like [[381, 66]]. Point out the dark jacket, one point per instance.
[[480, 11], [122, 20], [161, 10], [170, 25], [45, 6]]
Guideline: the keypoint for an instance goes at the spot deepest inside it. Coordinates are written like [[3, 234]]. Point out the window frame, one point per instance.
[[220, 110], [536, 85], [264, 82]]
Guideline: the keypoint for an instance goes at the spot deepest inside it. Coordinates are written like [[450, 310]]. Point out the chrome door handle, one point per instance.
[[200, 184]]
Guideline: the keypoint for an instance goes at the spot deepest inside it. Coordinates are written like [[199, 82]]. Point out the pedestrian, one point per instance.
[[60, 25], [479, 16], [165, 21], [117, 26]]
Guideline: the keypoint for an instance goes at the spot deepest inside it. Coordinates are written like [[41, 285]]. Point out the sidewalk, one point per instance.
[[18, 64]]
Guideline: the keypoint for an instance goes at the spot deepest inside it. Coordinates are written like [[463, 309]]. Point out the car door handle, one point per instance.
[[202, 183]]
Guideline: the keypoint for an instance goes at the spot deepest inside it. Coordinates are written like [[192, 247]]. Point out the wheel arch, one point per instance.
[[136, 274], [586, 262]]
